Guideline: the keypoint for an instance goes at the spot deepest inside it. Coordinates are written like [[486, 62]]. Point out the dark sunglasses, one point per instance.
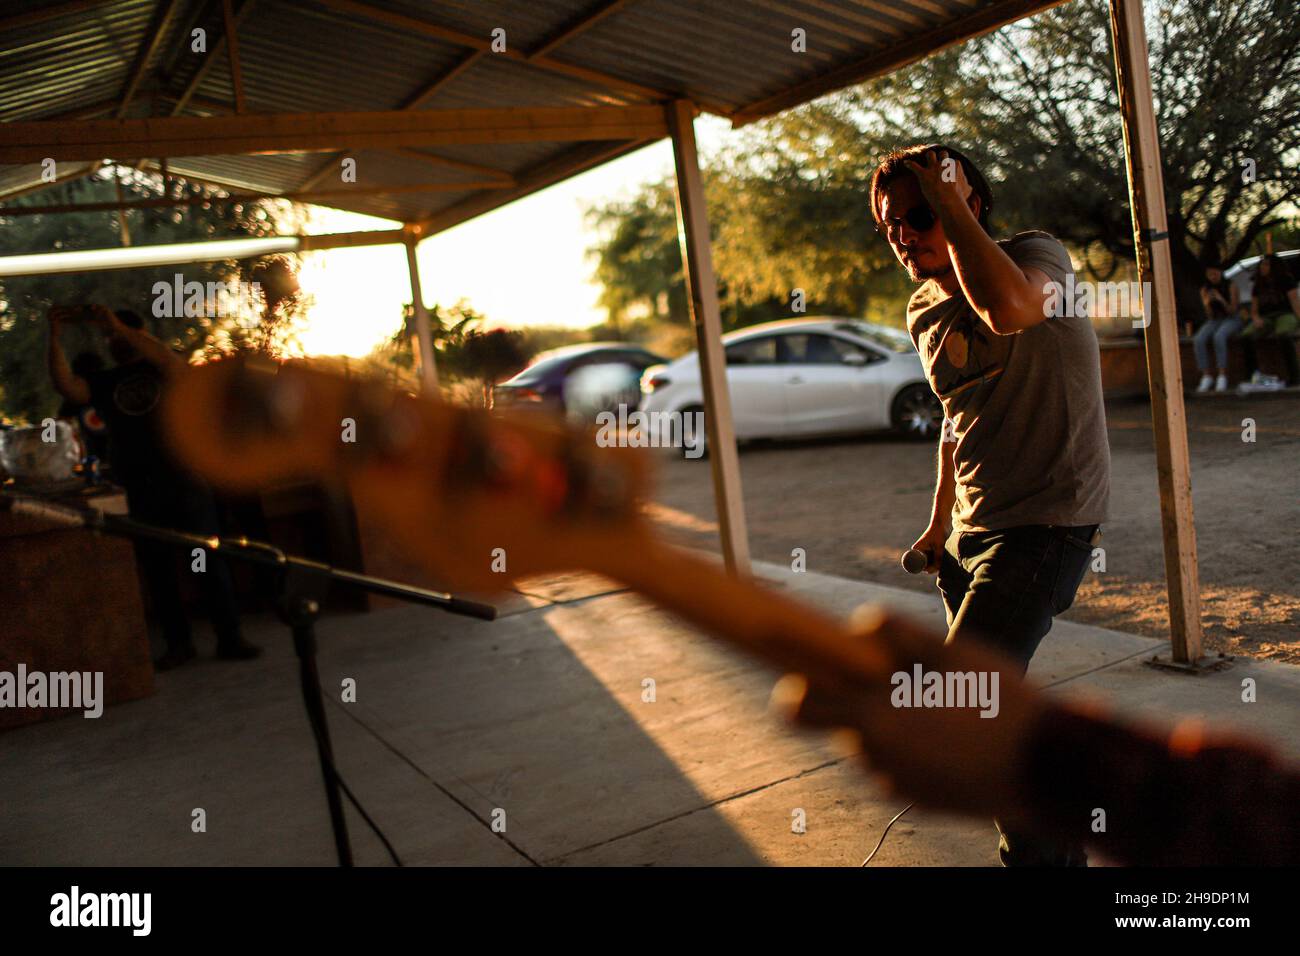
[[921, 218]]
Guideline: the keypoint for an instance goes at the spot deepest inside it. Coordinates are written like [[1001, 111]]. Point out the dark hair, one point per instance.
[[1279, 276], [894, 166], [130, 319]]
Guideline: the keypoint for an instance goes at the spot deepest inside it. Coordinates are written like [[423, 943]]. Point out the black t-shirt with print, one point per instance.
[[128, 398]]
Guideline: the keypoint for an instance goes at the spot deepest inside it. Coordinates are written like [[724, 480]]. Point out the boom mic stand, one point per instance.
[[303, 585]]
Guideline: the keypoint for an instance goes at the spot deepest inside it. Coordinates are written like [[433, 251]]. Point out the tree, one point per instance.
[[638, 263], [1039, 100], [1034, 104], [25, 391], [486, 357]]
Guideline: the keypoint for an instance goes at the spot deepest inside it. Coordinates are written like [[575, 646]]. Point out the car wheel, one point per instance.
[[916, 412]]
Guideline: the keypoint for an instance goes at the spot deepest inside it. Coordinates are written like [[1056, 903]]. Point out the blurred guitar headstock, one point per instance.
[[481, 498]]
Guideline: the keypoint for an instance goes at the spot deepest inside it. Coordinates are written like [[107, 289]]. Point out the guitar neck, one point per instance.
[[759, 620]]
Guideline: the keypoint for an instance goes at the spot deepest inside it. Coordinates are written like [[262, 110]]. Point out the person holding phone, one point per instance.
[[128, 398]]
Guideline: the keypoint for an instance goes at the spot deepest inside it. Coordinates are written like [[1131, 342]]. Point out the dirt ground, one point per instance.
[[854, 505]]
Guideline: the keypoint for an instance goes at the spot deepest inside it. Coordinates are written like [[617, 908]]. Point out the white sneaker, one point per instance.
[[1221, 383], [1266, 382], [1206, 382]]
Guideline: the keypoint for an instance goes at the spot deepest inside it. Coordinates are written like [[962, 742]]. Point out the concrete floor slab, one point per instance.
[[543, 714]]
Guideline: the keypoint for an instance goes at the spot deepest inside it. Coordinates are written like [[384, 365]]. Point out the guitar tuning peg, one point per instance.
[[600, 485], [257, 397], [286, 400], [387, 426]]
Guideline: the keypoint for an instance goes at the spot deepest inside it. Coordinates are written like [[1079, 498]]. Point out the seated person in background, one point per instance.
[[1221, 302], [1274, 314], [1141, 796], [128, 398]]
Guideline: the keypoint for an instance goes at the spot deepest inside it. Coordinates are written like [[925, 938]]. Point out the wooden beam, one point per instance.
[[296, 196], [706, 316], [423, 332], [895, 56], [443, 162], [484, 43], [414, 102], [352, 240], [144, 53], [1155, 270], [232, 54], [582, 22], [26, 142], [442, 79], [209, 59], [84, 169], [544, 174], [322, 171]]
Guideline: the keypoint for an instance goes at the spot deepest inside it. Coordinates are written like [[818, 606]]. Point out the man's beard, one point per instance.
[[919, 275]]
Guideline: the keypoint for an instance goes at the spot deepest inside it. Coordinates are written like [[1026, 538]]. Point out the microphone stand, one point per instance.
[[303, 584]]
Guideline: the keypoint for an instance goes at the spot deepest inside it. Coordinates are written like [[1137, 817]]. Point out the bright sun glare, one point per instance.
[[523, 264]]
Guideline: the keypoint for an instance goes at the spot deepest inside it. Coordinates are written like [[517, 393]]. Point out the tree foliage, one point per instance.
[[25, 390], [1035, 105]]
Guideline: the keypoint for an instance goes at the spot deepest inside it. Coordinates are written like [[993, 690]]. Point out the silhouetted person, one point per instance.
[[1274, 314], [128, 398]]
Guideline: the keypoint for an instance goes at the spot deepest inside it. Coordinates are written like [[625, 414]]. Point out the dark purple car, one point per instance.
[[580, 380]]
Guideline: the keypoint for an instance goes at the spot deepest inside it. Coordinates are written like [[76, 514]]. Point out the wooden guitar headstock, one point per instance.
[[482, 499], [469, 492]]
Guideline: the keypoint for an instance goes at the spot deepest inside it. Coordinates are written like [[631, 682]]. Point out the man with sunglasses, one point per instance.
[[1024, 465]]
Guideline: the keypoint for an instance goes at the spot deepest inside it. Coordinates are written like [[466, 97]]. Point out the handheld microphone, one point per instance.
[[914, 561]]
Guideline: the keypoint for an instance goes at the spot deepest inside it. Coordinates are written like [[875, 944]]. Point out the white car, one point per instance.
[[801, 377]]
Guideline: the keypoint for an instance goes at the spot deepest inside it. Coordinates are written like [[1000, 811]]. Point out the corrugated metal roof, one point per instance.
[[61, 59]]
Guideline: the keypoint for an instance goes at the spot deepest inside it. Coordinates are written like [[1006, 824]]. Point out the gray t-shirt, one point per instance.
[[1026, 409]]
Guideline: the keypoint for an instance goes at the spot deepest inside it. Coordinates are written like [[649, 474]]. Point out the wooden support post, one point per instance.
[[423, 332], [1169, 419], [702, 291]]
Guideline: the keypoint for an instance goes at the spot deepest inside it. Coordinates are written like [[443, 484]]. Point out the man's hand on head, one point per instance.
[[942, 179]]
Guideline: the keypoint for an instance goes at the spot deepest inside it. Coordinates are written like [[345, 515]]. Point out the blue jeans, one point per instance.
[[1217, 331], [1003, 588]]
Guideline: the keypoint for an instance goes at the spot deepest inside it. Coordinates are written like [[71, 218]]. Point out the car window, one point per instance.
[[814, 349], [756, 351], [893, 340]]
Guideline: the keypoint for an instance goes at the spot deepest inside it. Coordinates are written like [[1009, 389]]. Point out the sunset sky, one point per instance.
[[524, 264]]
